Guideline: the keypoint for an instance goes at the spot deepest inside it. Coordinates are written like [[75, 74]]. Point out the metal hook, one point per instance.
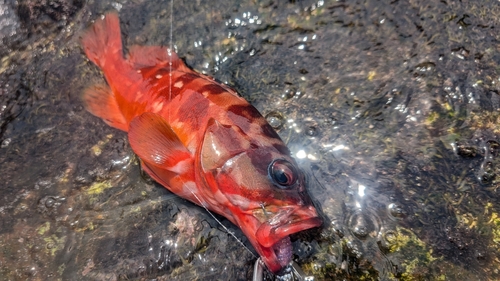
[[264, 210], [258, 270], [295, 272]]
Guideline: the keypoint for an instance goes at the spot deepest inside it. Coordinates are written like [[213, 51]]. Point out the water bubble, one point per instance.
[[361, 225], [289, 93], [390, 236], [311, 131], [389, 239], [50, 202], [5, 142], [493, 146], [486, 173], [275, 119], [396, 210], [360, 231]]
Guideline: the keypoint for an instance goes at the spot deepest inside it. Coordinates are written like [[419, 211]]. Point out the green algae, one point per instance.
[[98, 187], [54, 244], [41, 230]]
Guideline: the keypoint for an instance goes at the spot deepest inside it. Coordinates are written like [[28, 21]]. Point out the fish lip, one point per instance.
[[289, 222]]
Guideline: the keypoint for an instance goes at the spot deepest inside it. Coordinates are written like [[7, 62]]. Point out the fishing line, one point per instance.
[[217, 220], [170, 99], [170, 53]]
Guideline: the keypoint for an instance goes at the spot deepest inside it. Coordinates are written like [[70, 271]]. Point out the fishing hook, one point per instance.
[[293, 272]]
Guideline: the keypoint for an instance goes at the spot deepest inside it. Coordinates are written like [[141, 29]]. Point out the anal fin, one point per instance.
[[101, 102]]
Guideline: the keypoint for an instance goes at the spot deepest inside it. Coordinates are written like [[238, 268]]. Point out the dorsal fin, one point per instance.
[[154, 141], [144, 56]]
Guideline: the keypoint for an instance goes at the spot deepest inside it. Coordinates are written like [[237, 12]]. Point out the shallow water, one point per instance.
[[392, 107]]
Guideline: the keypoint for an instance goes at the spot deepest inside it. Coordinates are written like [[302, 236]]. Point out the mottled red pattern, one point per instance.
[[200, 140], [192, 111]]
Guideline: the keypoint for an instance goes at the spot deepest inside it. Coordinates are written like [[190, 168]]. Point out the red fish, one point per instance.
[[200, 140]]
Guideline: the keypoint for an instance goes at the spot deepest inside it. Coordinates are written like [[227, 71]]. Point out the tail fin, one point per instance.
[[102, 42], [103, 46]]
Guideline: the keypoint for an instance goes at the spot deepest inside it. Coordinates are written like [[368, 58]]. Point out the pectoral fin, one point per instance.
[[154, 141]]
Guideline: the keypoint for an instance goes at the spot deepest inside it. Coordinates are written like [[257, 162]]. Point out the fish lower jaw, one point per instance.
[[275, 244], [277, 256], [268, 234]]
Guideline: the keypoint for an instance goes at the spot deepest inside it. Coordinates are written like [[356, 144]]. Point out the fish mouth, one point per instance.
[[273, 235]]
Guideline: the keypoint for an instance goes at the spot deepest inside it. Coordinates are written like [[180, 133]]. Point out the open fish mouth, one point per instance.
[[274, 234]]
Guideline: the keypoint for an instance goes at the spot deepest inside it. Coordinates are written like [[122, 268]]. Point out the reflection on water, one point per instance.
[[391, 107]]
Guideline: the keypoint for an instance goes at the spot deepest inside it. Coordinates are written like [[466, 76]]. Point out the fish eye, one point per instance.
[[282, 173]]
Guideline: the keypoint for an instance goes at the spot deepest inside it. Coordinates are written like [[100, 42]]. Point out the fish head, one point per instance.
[[261, 188]]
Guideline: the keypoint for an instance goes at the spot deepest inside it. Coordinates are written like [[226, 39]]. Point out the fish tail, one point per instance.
[[103, 46], [102, 43]]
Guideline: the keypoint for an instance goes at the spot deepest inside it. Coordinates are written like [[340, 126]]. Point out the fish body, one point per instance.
[[200, 140]]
